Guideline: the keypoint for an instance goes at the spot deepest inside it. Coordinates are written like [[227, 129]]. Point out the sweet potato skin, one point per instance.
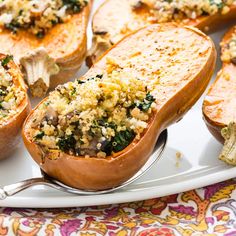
[[218, 106], [66, 43], [10, 132], [173, 102], [108, 15]]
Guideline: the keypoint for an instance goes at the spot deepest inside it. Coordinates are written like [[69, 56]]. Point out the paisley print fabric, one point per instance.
[[206, 211]]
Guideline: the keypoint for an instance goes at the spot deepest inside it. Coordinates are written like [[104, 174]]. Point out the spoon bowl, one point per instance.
[[46, 180]]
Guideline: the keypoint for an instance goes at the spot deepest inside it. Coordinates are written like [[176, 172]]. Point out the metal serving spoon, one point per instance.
[[12, 189]]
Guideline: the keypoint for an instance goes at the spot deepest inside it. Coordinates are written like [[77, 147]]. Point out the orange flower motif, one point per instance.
[[157, 231]]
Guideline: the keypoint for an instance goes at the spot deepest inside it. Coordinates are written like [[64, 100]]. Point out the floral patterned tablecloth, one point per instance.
[[206, 211]]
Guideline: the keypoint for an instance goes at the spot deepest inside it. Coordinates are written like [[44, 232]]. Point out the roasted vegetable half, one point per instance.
[[14, 104], [143, 84], [219, 107], [130, 15], [48, 38]]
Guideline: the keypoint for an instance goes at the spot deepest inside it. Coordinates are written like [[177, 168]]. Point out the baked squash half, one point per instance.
[[98, 131], [47, 37], [129, 15], [219, 107], [14, 105]]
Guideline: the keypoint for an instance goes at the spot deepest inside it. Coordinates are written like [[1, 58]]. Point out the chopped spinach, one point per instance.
[[73, 91], [3, 92], [98, 124], [67, 143], [107, 147], [39, 135], [103, 123], [3, 115], [76, 123], [20, 12], [146, 103], [79, 81], [54, 22], [219, 4], [6, 60], [98, 76], [121, 140], [13, 26], [74, 5], [40, 34]]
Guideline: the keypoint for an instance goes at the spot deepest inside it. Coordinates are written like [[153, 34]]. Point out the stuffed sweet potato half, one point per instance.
[[14, 105], [47, 37], [219, 105], [129, 15], [98, 131]]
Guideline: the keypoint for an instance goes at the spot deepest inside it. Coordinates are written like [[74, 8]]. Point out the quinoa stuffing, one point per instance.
[[94, 117], [229, 53], [178, 10], [37, 16], [10, 94]]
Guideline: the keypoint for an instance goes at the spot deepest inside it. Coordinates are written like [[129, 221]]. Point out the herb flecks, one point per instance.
[[3, 92], [98, 76], [95, 114], [119, 142], [75, 5], [67, 143], [122, 139], [39, 135], [219, 4], [146, 103], [6, 60], [40, 17]]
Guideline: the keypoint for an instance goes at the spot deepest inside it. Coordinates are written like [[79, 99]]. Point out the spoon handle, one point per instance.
[[12, 189]]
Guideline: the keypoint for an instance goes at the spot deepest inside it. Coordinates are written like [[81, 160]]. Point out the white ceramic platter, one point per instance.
[[198, 167]]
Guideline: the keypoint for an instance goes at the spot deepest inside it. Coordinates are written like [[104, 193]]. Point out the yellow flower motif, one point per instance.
[[122, 233], [130, 225], [220, 229], [87, 234]]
